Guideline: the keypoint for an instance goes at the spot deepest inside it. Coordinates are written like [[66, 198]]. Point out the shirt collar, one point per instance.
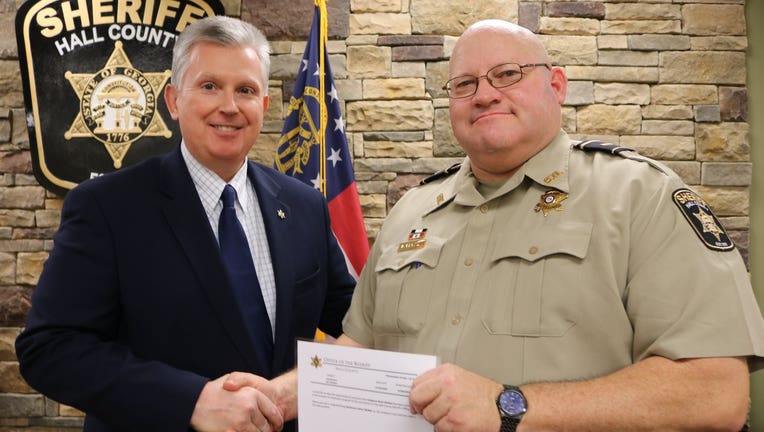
[[210, 186]]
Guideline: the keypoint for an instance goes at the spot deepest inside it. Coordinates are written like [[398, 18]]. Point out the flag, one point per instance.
[[316, 151]]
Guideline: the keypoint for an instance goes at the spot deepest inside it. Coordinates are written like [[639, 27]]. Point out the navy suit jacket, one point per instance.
[[133, 313]]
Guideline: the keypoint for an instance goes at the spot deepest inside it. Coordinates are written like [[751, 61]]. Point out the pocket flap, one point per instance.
[[569, 238], [429, 254]]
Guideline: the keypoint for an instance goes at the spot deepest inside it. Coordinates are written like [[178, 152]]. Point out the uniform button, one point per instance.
[[484, 208], [456, 319], [468, 262], [533, 250]]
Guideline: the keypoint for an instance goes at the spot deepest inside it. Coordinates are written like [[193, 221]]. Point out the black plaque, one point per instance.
[[93, 73]]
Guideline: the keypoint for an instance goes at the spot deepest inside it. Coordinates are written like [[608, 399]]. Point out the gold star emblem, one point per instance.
[[550, 200], [315, 361], [118, 104], [281, 214], [708, 223]]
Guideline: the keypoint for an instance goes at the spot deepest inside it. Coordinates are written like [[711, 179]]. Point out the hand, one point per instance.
[[244, 410], [454, 399], [282, 390]]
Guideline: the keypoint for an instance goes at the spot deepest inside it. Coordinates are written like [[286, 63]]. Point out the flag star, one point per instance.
[[339, 124], [304, 65], [333, 94], [335, 157], [318, 69], [317, 182]]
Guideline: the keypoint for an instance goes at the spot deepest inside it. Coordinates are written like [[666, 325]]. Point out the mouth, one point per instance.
[[490, 114], [226, 128]]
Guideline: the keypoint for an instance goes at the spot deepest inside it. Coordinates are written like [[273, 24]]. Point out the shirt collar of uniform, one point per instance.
[[210, 186], [549, 167]]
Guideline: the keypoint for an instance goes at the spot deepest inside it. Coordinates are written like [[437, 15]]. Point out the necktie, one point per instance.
[[241, 270]]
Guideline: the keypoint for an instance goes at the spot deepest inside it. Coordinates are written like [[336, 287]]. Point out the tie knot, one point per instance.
[[228, 196]]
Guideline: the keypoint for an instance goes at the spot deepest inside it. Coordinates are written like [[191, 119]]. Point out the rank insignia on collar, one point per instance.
[[416, 240], [703, 221], [550, 200]]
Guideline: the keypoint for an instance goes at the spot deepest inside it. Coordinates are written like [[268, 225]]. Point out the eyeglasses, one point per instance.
[[503, 75]]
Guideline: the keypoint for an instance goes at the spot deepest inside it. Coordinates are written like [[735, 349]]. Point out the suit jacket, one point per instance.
[[133, 313]]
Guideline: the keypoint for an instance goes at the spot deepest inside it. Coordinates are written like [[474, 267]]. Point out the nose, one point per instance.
[[228, 102], [485, 93]]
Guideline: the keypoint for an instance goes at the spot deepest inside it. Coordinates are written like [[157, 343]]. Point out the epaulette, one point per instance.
[[442, 173], [594, 145]]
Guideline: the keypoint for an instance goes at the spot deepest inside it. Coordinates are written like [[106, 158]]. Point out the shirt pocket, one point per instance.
[[534, 286], [404, 286]]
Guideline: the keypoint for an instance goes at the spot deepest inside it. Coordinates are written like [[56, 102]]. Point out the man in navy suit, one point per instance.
[[135, 320]]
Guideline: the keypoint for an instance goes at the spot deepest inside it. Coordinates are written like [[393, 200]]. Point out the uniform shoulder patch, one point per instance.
[[594, 145], [441, 174], [699, 215]]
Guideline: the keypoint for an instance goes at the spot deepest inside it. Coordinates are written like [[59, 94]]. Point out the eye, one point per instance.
[[207, 86], [463, 82], [248, 91]]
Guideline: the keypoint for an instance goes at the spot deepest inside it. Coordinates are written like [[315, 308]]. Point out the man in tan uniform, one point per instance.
[[585, 274]]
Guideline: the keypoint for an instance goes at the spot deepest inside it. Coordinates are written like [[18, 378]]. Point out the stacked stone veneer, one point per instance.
[[665, 77]]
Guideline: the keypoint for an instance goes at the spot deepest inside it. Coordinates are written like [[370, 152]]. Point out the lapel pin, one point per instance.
[[281, 214], [551, 200]]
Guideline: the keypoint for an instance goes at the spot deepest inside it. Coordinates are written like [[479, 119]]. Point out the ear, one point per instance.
[[559, 82], [266, 102], [171, 99]]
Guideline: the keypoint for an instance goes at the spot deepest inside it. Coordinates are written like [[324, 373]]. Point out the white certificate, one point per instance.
[[345, 389]]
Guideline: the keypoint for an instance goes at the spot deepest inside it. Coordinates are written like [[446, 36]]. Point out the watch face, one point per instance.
[[512, 403]]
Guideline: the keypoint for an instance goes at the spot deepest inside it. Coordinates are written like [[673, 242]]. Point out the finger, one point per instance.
[[237, 380], [423, 393], [270, 413]]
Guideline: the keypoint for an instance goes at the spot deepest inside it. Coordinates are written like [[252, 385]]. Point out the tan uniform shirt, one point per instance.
[[579, 265]]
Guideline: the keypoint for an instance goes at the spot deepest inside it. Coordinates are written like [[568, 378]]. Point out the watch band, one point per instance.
[[509, 422]]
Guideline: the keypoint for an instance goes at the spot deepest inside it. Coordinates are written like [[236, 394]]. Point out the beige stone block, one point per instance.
[[580, 93], [619, 42], [724, 142], [7, 271], [17, 218], [264, 151], [727, 173], [659, 42], [22, 197], [568, 122], [640, 26], [373, 205], [702, 67], [617, 93], [667, 148], [726, 201], [684, 94], [452, 17], [389, 115], [11, 95], [409, 69], [349, 89], [713, 19], [393, 88], [380, 23], [372, 187], [11, 380], [369, 61], [29, 266], [642, 11], [668, 112], [335, 47], [54, 203], [719, 43], [569, 26], [688, 171], [67, 411], [613, 73], [437, 75], [275, 110], [280, 47], [7, 343], [361, 6], [628, 58], [668, 127], [47, 218], [398, 149], [609, 119], [444, 141], [571, 50]]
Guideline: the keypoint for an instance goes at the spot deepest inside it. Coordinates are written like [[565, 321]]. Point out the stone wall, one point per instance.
[[665, 77]]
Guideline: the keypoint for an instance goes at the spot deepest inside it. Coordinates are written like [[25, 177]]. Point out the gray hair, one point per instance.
[[221, 30]]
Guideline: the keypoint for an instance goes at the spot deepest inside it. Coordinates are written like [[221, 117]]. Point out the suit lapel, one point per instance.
[[278, 219], [188, 221]]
